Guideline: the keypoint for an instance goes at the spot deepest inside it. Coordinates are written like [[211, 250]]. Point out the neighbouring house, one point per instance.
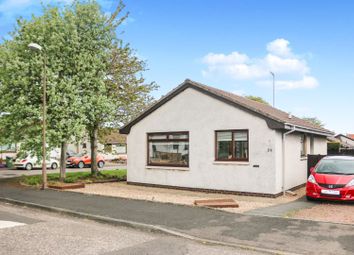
[[114, 143], [7, 150], [345, 141], [200, 137], [111, 146], [351, 136]]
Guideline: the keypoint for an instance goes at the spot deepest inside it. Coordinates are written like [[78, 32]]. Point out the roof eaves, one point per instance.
[[272, 121], [345, 137], [309, 130]]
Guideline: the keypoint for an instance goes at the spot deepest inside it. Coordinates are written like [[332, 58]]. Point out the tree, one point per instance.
[[257, 99], [94, 80], [315, 121], [113, 87], [21, 82]]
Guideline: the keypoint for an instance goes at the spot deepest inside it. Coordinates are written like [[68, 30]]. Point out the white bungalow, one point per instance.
[[202, 138]]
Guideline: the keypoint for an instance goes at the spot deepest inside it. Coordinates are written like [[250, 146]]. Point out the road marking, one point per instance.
[[10, 224]]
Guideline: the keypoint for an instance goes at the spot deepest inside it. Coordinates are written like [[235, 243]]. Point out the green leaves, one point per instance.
[[93, 79], [21, 81], [257, 99]]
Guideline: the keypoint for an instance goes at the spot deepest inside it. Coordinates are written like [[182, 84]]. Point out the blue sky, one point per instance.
[[233, 45]]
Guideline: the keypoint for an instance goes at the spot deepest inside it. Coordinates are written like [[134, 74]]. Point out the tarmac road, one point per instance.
[[30, 231]]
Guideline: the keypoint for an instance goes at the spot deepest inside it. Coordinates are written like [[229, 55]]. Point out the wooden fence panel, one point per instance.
[[312, 160]]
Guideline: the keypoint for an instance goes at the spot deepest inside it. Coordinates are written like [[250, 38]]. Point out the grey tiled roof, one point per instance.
[[261, 109]]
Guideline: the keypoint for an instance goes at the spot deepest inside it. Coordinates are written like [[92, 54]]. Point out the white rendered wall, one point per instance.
[[320, 145], [295, 165], [201, 115]]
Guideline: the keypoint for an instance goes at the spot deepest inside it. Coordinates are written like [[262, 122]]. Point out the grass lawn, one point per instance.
[[86, 177]]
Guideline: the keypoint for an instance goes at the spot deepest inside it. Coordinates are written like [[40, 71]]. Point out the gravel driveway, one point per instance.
[[329, 212], [122, 189]]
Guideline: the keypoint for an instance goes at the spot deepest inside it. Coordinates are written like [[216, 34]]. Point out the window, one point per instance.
[[312, 145], [108, 148], [231, 145], [8, 148], [303, 142], [168, 149]]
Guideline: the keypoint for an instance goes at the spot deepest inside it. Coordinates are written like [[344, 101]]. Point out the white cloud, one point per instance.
[[279, 47], [233, 58], [291, 71], [307, 82], [289, 65]]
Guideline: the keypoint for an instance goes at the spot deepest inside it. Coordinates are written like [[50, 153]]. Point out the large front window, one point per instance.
[[168, 149], [232, 145]]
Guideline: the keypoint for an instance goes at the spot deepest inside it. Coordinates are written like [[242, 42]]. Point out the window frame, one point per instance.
[[166, 140], [303, 145], [232, 145], [14, 150]]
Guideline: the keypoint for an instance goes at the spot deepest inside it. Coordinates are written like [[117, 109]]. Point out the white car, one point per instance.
[[30, 162]]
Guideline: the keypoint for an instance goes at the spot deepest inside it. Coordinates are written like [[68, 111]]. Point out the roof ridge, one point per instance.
[[309, 124], [264, 110]]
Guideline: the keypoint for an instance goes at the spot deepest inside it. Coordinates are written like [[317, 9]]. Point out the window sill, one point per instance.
[[241, 163], [177, 168]]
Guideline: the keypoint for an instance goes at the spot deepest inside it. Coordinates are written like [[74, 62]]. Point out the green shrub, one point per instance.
[[333, 146]]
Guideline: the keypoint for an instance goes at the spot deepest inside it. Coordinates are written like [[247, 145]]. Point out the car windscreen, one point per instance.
[[77, 155], [336, 166]]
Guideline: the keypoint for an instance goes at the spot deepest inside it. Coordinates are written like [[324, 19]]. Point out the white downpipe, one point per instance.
[[283, 155]]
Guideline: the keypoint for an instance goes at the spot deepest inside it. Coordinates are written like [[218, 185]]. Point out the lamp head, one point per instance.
[[35, 46]]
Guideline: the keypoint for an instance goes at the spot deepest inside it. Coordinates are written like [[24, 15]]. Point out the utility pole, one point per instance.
[[273, 75], [36, 47]]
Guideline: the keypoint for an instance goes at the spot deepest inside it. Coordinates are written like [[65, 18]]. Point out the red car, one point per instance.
[[81, 161], [332, 179]]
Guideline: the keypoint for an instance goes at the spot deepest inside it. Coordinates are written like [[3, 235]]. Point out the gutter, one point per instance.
[[283, 156], [289, 126]]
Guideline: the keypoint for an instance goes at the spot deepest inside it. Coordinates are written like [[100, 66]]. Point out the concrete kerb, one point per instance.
[[140, 226]]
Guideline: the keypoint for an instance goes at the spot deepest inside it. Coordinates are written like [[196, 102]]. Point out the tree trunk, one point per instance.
[[63, 161], [93, 141]]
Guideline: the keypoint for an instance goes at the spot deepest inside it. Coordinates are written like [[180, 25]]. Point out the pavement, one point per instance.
[[40, 232], [6, 173], [256, 232], [282, 210]]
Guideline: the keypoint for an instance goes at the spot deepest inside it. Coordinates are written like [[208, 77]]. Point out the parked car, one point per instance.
[[30, 162], [81, 161], [332, 178], [70, 154]]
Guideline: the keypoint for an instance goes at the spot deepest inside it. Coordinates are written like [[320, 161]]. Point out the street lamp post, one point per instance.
[[273, 75], [37, 47]]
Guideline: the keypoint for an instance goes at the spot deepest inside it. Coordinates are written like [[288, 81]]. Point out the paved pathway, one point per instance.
[[282, 210], [290, 235]]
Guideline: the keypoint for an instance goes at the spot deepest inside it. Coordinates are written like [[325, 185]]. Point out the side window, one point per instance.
[[312, 145], [303, 144]]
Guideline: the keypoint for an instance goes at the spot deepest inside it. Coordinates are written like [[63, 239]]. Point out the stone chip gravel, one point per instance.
[[122, 189]]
